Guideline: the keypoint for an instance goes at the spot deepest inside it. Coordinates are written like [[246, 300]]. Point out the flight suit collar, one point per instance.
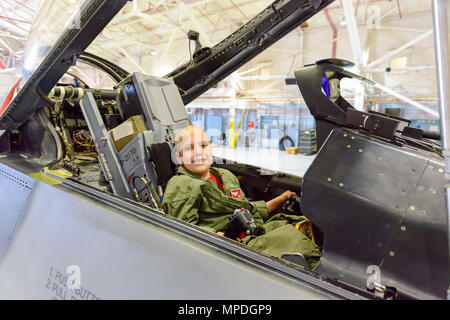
[[183, 170]]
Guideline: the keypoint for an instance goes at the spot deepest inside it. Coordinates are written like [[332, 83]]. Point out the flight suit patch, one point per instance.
[[236, 194]]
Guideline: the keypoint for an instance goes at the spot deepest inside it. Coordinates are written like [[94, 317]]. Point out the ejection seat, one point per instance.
[[160, 156]]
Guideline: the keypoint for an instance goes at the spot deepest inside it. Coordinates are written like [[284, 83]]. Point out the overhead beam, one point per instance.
[[159, 16], [355, 42], [395, 52], [7, 46], [171, 37], [407, 100], [125, 53], [203, 34], [12, 37], [121, 41], [352, 29], [15, 30], [440, 25], [395, 28], [404, 69], [335, 32], [442, 54], [10, 70]]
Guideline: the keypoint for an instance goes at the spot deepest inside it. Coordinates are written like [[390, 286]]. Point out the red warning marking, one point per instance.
[[9, 98]]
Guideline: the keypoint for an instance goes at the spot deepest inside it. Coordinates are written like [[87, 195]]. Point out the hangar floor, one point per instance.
[[269, 159]]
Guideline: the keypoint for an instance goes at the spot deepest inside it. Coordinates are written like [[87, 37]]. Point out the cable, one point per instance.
[[155, 204], [44, 97], [150, 195], [59, 146], [190, 52], [281, 143], [86, 141], [78, 78], [134, 188]]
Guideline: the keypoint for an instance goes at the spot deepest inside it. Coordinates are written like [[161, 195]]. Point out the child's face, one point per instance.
[[194, 151]]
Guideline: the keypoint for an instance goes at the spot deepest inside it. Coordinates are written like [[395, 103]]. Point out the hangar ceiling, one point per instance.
[[151, 37]]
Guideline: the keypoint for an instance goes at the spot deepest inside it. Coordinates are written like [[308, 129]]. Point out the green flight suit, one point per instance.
[[193, 199]]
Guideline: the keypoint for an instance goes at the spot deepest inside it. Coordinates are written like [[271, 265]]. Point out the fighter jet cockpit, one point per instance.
[[373, 192]]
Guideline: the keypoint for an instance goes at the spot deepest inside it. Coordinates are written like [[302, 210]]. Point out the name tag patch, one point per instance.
[[236, 193]]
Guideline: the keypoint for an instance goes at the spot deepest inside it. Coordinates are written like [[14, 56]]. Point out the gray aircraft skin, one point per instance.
[[124, 250], [88, 236]]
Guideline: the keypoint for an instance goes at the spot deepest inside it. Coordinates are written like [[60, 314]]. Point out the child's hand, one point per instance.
[[286, 195], [276, 202]]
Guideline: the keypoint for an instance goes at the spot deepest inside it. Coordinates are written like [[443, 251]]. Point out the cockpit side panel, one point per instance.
[[366, 196]]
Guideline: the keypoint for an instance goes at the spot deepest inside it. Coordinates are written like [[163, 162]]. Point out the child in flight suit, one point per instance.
[[208, 196]]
